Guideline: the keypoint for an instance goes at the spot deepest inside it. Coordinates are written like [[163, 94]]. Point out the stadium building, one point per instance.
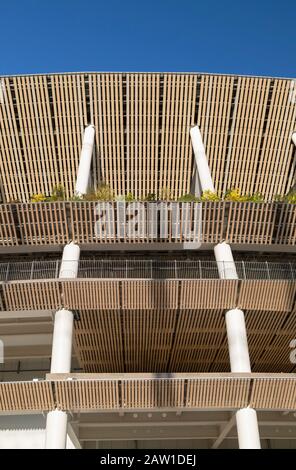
[[147, 261]]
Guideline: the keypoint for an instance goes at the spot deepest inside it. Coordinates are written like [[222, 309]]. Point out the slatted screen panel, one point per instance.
[[26, 396], [8, 235], [217, 393], [274, 393], [57, 223]]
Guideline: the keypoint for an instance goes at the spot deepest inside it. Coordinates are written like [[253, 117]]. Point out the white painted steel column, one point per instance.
[[237, 341], [85, 161], [62, 342], [56, 430], [70, 260], [56, 421], [247, 429], [201, 160], [246, 418]]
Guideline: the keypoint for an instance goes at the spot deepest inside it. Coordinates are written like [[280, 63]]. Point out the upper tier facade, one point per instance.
[[142, 140]]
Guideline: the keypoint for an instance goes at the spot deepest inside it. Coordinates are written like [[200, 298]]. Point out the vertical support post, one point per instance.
[[246, 418], [56, 420]]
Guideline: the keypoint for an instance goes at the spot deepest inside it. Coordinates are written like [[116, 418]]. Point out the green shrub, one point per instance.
[[188, 198], [210, 196], [58, 193], [39, 197], [150, 197], [165, 194], [129, 197]]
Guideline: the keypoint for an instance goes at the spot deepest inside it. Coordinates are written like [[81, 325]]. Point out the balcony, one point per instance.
[[142, 225]]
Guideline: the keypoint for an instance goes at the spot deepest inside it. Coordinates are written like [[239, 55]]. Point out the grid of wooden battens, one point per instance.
[[142, 122], [196, 391], [173, 326], [93, 222]]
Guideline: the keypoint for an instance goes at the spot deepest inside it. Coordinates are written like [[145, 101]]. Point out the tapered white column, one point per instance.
[[205, 177], [56, 421], [85, 161], [246, 418]]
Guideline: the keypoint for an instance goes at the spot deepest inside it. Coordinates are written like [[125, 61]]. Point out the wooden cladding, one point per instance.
[[110, 294], [272, 393], [149, 294], [117, 222], [26, 396], [41, 295], [123, 326], [208, 295], [273, 295], [142, 122], [87, 392], [83, 395]]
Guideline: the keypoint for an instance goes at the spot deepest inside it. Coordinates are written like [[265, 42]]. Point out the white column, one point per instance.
[[237, 341], [247, 429], [70, 260], [294, 138], [201, 161], [56, 430], [246, 418], [225, 261], [56, 421], [85, 161], [62, 342]]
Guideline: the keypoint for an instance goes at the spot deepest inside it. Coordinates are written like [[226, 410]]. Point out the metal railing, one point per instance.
[[148, 269]]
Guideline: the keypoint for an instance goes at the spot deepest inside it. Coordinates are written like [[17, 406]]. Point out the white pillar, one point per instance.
[[70, 260], [294, 138], [201, 161], [225, 261], [56, 421], [247, 429], [56, 430], [246, 418], [62, 342], [237, 341], [85, 161]]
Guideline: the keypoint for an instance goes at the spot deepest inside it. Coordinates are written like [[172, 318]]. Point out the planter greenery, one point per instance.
[[105, 193]]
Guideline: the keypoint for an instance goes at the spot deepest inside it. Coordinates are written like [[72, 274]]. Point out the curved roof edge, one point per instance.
[[147, 72]]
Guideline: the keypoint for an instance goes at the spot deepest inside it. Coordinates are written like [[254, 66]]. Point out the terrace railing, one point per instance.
[[148, 269]]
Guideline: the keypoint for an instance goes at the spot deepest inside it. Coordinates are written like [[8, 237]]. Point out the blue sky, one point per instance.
[[250, 37]]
